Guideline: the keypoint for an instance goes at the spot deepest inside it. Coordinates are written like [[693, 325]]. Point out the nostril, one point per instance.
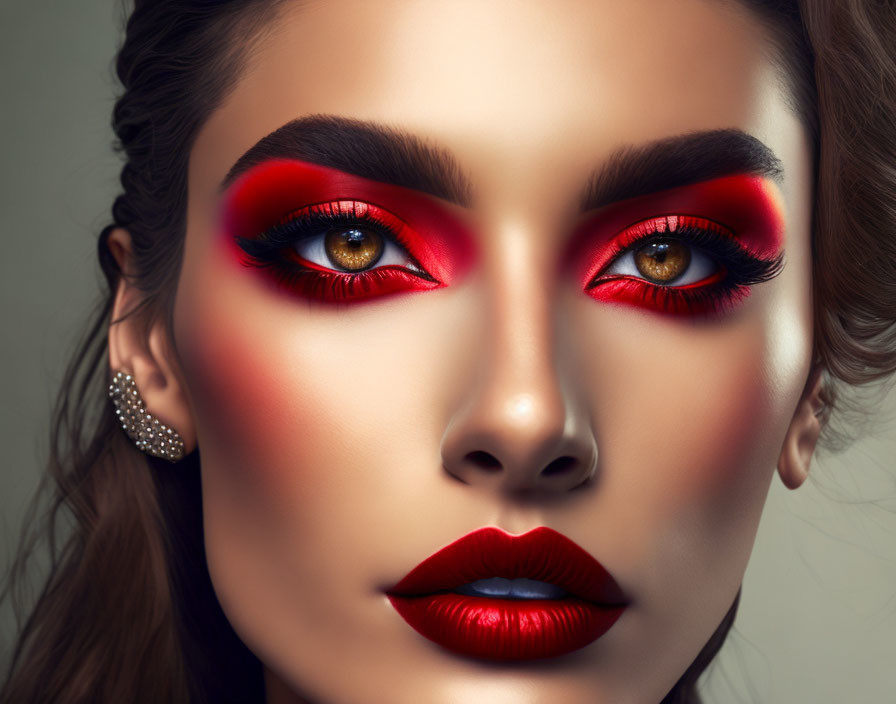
[[561, 465], [483, 460]]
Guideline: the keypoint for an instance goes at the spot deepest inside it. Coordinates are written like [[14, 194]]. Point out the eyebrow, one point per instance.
[[388, 155], [364, 149], [633, 171]]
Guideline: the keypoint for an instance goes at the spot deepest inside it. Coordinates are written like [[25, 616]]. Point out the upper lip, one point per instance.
[[542, 554]]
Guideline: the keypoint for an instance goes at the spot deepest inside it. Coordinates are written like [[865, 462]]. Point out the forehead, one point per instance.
[[524, 86]]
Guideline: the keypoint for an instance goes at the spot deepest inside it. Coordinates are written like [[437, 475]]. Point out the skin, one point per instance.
[[334, 441]]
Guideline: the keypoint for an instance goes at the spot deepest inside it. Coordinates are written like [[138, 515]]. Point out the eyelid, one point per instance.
[[281, 242], [389, 226], [737, 269], [750, 206], [259, 198], [642, 232], [276, 251]]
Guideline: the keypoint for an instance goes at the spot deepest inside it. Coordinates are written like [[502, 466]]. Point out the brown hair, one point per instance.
[[128, 612], [855, 197]]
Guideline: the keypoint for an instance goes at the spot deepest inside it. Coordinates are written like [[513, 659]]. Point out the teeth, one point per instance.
[[496, 586], [523, 588], [520, 588]]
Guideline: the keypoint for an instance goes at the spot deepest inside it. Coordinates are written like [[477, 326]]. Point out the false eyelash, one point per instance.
[[738, 271], [743, 268], [272, 248]]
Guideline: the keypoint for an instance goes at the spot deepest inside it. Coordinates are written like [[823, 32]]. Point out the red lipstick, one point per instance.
[[584, 600]]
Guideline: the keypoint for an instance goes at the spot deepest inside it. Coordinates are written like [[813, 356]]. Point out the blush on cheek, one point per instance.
[[244, 407], [738, 418], [691, 430], [756, 390]]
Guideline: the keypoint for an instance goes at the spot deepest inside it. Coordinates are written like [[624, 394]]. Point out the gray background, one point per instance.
[[818, 616]]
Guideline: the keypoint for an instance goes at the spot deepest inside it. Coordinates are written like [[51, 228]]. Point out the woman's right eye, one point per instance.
[[354, 248], [339, 251]]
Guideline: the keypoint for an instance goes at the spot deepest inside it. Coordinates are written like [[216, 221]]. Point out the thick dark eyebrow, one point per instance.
[[364, 149], [679, 161]]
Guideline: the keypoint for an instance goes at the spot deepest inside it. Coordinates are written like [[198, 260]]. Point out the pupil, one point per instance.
[[354, 238], [658, 252]]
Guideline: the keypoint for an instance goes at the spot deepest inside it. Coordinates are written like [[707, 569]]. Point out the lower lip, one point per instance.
[[506, 629]]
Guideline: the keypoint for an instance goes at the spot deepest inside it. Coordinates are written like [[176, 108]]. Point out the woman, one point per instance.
[[443, 305]]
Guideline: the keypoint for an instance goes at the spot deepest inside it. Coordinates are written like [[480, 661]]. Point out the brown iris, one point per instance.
[[663, 261], [353, 249]]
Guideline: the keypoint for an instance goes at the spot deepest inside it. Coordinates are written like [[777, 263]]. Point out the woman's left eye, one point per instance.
[[680, 264], [665, 262], [352, 249]]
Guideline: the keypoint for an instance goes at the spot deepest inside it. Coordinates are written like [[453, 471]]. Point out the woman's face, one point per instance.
[[529, 350]]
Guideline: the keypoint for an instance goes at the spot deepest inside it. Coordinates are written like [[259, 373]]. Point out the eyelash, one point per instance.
[[275, 250], [737, 270]]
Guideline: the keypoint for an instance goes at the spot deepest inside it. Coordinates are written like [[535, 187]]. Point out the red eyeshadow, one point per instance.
[[267, 193], [749, 207]]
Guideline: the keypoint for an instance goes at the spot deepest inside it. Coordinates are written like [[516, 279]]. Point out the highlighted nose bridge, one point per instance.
[[522, 426]]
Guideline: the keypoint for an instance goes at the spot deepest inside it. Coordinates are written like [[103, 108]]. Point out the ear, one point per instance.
[[140, 346], [802, 435]]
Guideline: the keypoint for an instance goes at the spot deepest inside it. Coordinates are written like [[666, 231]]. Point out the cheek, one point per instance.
[[244, 399], [685, 423], [310, 423], [291, 415], [691, 420], [281, 407], [254, 433], [318, 434]]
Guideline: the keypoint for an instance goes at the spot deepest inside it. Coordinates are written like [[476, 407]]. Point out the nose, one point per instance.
[[523, 426]]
